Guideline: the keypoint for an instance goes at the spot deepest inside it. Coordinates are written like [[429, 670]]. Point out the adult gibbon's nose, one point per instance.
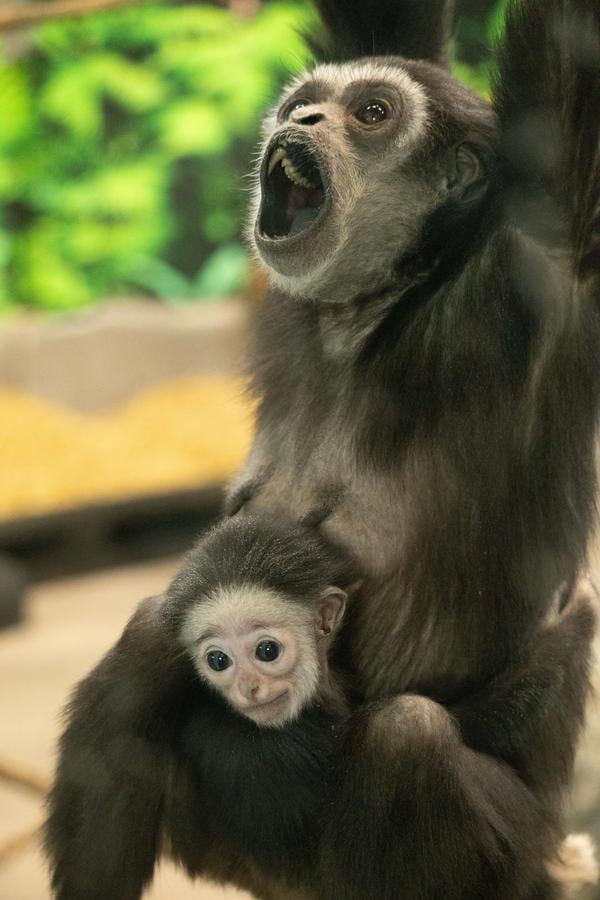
[[308, 115]]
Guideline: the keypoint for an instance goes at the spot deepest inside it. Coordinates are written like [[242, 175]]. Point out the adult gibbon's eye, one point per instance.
[[218, 660], [267, 651], [373, 112], [296, 104]]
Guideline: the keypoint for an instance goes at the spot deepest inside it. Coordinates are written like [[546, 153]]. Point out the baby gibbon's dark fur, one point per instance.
[[151, 753]]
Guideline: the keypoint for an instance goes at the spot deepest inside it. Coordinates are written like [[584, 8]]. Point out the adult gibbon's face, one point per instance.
[[335, 182], [342, 190]]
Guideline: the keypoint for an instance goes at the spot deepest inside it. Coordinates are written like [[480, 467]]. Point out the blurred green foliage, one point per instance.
[[124, 137]]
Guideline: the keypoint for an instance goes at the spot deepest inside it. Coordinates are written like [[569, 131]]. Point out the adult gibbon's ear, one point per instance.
[[465, 175], [415, 29], [331, 607]]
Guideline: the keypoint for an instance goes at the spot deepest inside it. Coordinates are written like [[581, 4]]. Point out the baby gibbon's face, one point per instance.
[[260, 651]]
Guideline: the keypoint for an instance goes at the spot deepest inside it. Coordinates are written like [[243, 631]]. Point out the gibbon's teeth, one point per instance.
[[294, 175], [277, 154]]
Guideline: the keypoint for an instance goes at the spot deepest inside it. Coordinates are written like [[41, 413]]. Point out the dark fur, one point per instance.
[[291, 559], [151, 758], [416, 29], [471, 407], [462, 803], [481, 382], [150, 752], [473, 402], [265, 798]]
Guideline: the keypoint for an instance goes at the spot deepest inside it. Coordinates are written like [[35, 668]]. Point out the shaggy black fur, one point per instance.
[[416, 29], [151, 753], [469, 409]]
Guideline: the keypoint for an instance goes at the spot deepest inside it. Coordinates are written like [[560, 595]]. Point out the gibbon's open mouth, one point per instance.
[[293, 189]]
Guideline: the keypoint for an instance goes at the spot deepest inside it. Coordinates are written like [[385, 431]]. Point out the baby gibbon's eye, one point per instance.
[[267, 651], [373, 112], [218, 660]]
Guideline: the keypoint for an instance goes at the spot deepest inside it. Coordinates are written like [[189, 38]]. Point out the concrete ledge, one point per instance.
[[91, 360]]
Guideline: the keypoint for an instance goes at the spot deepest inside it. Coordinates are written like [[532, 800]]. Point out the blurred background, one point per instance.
[[127, 131]]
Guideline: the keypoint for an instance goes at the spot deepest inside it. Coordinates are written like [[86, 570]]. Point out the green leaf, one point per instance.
[[46, 279], [113, 245], [16, 104], [193, 127], [70, 97], [164, 25], [219, 225], [124, 135], [73, 95], [74, 37], [225, 272], [133, 86], [130, 188], [160, 279]]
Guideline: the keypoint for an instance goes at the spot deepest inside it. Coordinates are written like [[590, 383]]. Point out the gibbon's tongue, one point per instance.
[[293, 191], [302, 209]]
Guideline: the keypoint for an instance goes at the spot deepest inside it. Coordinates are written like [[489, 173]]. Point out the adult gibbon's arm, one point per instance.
[[530, 716], [416, 29], [547, 97], [105, 809]]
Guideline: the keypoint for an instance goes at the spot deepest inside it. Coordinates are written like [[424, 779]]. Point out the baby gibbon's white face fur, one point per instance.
[[261, 651]]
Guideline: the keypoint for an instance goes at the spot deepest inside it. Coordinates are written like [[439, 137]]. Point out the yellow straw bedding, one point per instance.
[[182, 434]]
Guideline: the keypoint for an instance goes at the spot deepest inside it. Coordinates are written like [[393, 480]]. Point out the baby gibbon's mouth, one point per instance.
[[293, 189], [269, 706]]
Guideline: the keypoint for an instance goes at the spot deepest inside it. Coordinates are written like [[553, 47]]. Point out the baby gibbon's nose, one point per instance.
[[249, 687]]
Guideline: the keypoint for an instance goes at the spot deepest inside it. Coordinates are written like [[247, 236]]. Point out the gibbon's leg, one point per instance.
[[420, 814]]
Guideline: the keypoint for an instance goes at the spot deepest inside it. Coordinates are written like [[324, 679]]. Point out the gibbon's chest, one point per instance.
[[364, 513], [399, 636], [402, 634]]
